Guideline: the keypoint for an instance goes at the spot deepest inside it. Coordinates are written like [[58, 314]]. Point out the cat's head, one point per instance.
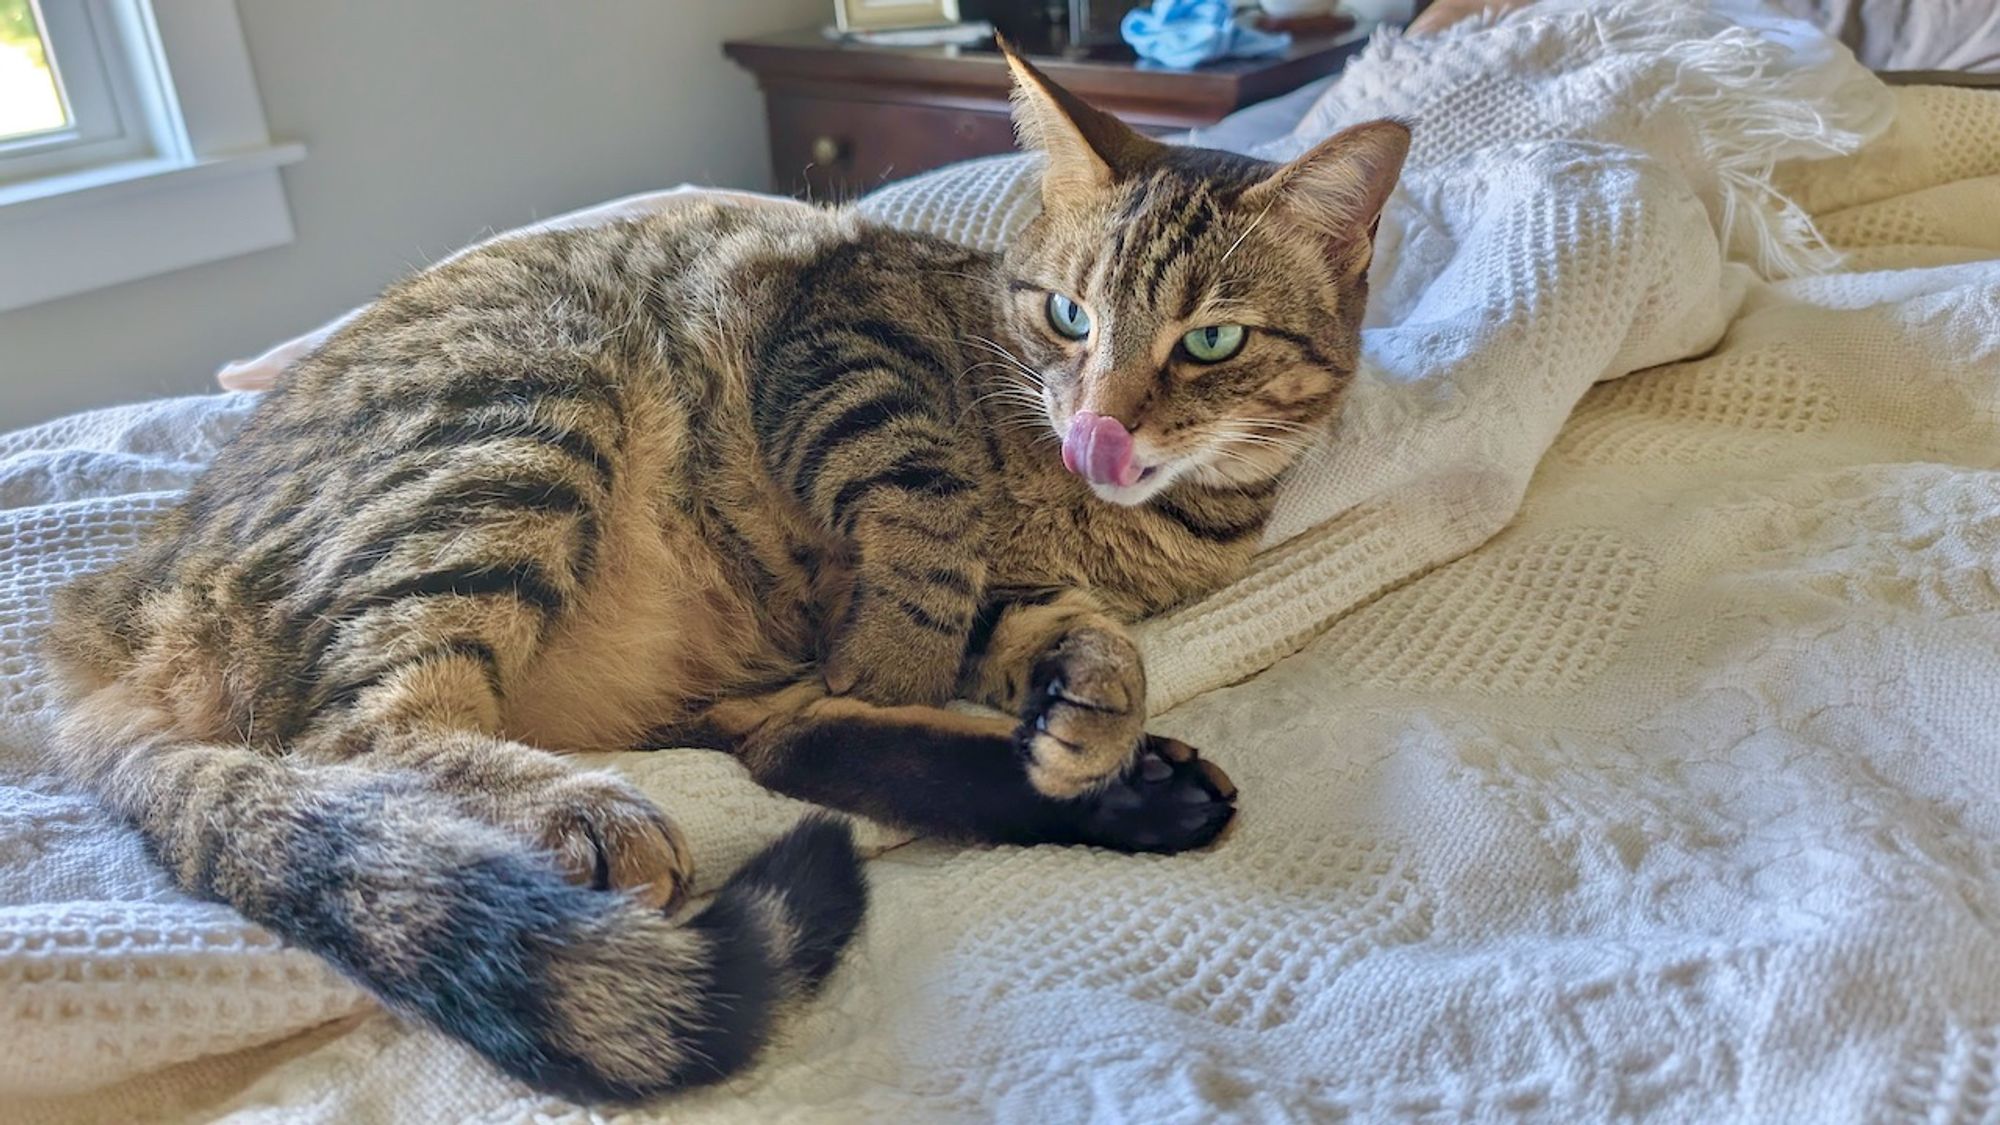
[[1186, 313]]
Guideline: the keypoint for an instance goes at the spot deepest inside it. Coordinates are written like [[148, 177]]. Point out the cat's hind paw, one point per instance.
[[607, 835]]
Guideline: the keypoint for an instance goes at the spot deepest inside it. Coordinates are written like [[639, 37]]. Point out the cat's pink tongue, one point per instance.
[[1098, 449]]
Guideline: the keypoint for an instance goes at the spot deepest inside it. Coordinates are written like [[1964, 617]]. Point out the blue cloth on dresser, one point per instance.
[[1188, 33]]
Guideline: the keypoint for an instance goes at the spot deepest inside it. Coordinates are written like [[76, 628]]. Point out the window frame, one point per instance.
[[191, 175], [105, 70]]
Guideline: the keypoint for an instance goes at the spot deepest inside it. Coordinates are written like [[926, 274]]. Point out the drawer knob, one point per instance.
[[828, 150]]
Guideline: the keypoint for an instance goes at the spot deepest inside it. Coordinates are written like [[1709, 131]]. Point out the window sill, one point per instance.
[[84, 230]]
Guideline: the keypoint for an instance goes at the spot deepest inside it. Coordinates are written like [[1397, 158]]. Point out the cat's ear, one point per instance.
[[1337, 189], [1087, 149]]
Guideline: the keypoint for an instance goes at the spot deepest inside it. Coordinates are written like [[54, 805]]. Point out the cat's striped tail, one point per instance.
[[576, 992]]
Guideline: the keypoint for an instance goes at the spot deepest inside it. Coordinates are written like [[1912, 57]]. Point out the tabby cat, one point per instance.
[[779, 482]]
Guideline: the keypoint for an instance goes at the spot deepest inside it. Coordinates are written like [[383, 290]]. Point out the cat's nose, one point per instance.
[[1098, 448]]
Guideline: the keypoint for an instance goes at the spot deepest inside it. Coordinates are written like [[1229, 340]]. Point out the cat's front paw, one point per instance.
[[1171, 800], [607, 835], [1085, 712]]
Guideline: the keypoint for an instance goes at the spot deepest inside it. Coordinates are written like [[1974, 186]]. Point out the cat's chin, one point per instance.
[[1155, 480]]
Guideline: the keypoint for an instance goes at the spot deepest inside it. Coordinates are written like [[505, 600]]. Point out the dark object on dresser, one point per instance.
[[845, 118]]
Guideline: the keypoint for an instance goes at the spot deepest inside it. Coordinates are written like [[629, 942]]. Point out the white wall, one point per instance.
[[429, 123]]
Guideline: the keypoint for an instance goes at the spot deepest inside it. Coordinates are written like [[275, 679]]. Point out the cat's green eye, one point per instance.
[[1068, 317], [1214, 343]]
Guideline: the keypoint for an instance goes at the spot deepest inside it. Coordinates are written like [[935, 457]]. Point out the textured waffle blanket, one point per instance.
[[1614, 707]]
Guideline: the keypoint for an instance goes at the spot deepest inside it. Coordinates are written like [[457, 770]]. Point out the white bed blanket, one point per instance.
[[1678, 797]]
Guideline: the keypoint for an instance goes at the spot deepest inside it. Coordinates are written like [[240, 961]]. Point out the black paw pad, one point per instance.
[[1170, 800]]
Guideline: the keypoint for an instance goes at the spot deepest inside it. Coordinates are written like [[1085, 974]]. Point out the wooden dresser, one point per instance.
[[845, 118]]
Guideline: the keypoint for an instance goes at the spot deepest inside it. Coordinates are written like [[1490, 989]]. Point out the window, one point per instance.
[[82, 84], [31, 104], [81, 87], [132, 142]]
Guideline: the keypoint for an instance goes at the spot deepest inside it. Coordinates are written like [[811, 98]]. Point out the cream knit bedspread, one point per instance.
[[1678, 797]]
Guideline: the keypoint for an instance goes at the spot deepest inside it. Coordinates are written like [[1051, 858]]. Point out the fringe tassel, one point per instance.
[[1742, 112], [1739, 92]]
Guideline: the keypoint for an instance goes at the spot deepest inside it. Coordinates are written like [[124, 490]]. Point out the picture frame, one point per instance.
[[893, 15]]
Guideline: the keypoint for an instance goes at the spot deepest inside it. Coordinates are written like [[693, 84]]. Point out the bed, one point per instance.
[[1616, 704]]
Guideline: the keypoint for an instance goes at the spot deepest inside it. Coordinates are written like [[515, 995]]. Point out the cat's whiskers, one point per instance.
[[1027, 394], [997, 349], [1227, 434], [1015, 404], [1033, 422], [1010, 384], [1275, 424], [1235, 442], [1264, 440], [1305, 437], [1012, 372], [1022, 405], [1215, 467], [1014, 393], [1262, 427], [940, 338], [1031, 393]]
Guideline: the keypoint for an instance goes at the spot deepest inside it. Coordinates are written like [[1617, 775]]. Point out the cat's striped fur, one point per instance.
[[780, 482]]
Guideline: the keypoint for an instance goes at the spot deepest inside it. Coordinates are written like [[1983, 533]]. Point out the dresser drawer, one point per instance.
[[845, 118], [837, 149]]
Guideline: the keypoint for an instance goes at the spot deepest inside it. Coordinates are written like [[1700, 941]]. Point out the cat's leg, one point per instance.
[[432, 602], [450, 920], [884, 468], [415, 610], [1074, 677], [433, 717], [963, 776]]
